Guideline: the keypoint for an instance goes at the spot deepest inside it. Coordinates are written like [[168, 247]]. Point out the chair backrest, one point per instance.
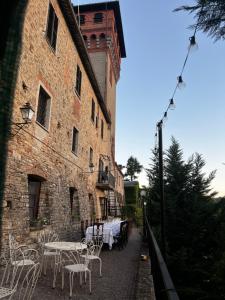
[[74, 257], [95, 249], [13, 244], [47, 236], [124, 231], [28, 284], [12, 273], [88, 243], [97, 230]]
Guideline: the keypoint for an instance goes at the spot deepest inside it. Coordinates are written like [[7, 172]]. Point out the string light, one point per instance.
[[180, 82], [193, 46], [172, 104]]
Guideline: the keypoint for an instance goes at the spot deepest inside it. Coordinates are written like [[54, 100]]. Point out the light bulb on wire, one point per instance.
[[181, 84], [165, 117], [172, 104], [193, 46]]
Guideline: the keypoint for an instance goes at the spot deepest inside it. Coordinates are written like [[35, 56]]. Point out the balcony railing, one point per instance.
[[106, 181], [163, 284]]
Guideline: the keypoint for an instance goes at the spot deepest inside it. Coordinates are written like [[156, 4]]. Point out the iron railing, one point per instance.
[[163, 284], [106, 178]]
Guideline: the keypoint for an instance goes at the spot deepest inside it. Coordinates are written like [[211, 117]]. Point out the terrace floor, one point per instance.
[[119, 281]]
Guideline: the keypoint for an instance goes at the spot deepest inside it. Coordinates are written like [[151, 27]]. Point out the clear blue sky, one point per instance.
[[156, 43]]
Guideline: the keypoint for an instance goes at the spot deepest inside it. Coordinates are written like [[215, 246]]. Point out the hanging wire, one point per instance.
[[180, 83]]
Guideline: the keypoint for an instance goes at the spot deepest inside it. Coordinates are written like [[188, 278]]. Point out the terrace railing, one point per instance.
[[163, 284]]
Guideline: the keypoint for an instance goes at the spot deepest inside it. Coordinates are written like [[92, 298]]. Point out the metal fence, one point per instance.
[[163, 284]]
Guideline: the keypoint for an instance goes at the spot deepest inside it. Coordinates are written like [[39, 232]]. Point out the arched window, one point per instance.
[[102, 39], [98, 17], [93, 40], [85, 39]]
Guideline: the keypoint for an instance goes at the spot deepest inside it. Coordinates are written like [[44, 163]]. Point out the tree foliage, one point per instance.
[[195, 224], [209, 15], [133, 167]]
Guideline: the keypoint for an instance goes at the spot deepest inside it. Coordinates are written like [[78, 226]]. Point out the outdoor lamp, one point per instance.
[[181, 84], [193, 46], [145, 203], [172, 104], [27, 113]]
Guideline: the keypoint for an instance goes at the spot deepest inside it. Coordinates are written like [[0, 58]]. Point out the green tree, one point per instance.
[[195, 224], [210, 16], [133, 167]]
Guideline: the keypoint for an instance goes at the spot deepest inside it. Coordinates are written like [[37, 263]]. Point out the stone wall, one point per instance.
[[37, 152]]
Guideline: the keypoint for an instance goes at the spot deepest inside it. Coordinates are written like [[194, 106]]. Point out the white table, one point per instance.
[[65, 246], [110, 229]]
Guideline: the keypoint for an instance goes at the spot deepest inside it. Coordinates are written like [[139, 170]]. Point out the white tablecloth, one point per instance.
[[110, 229]]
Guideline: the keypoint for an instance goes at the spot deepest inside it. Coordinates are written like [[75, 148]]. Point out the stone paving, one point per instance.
[[119, 269]]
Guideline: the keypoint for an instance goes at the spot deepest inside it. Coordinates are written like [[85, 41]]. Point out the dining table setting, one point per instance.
[[111, 229]]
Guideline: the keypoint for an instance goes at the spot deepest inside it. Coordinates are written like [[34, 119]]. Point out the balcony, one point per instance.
[[106, 181]]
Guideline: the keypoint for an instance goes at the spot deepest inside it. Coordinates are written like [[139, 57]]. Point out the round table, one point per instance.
[[66, 246]]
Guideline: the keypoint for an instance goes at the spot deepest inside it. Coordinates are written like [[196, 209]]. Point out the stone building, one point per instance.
[[61, 167]]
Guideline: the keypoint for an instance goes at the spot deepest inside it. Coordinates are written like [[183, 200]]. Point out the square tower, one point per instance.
[[101, 27]]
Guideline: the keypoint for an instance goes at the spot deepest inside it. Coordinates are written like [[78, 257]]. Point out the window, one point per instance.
[[91, 157], [104, 207], [52, 27], [43, 109], [93, 110], [96, 122], [74, 204], [34, 188], [102, 129], [98, 17], [81, 19], [78, 80], [75, 140]]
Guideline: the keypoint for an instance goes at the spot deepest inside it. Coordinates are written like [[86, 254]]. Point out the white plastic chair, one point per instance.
[[74, 263], [48, 255]]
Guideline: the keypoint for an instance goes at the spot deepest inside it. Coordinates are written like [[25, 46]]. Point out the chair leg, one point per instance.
[[45, 265], [70, 280], [100, 266], [90, 281], [63, 279]]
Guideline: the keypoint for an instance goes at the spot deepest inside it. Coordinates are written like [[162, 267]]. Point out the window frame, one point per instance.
[[47, 116], [52, 26], [75, 140], [102, 129], [93, 110], [97, 19], [78, 81], [81, 19]]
